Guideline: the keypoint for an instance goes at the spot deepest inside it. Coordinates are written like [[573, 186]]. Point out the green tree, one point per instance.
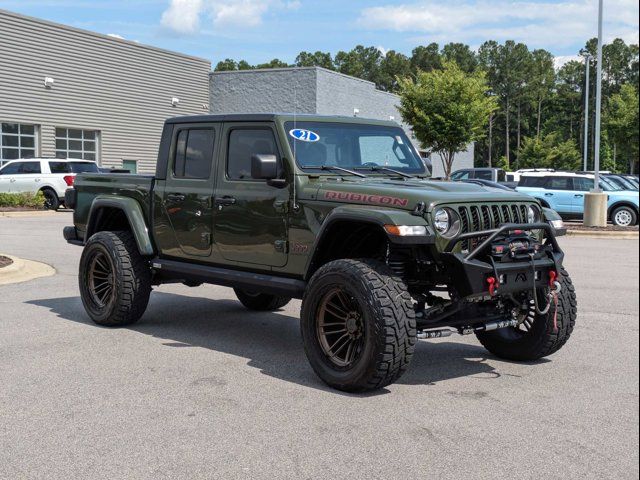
[[541, 82], [393, 65], [316, 59], [275, 63], [362, 62], [462, 55], [622, 125], [426, 58], [448, 109], [549, 152], [226, 65]]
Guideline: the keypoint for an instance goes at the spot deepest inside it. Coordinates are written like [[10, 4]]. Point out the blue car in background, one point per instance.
[[564, 192]]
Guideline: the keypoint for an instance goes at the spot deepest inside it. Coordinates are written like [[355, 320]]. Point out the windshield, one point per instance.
[[83, 167], [608, 186], [353, 146]]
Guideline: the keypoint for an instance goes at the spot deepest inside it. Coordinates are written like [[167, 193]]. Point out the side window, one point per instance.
[[583, 184], [558, 183], [243, 143], [484, 174], [462, 175], [11, 169], [59, 167], [30, 168], [194, 153]]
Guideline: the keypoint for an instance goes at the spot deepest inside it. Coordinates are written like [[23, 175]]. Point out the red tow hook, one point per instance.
[[553, 284], [553, 276], [492, 285]]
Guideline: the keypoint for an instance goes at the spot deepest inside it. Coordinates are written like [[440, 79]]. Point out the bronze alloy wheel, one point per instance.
[[340, 328], [101, 279]]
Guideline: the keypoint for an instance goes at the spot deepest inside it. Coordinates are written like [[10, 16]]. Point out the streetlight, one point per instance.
[[587, 62], [595, 201]]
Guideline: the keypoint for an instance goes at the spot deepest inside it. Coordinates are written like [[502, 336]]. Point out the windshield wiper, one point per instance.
[[339, 169], [385, 169]]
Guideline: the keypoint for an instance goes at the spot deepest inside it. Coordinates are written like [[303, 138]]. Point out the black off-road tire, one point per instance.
[[388, 323], [541, 341], [624, 213], [51, 200], [261, 302], [131, 279]]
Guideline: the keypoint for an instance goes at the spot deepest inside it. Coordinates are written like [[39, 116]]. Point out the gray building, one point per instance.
[[66, 92], [310, 90]]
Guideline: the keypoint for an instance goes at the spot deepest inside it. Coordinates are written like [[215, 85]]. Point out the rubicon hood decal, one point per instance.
[[366, 198]]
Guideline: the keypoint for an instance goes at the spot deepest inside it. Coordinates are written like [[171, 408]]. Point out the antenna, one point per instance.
[[295, 145]]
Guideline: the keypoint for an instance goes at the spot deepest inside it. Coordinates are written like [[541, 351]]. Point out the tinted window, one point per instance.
[[59, 167], [11, 169], [558, 183], [194, 153], [583, 184], [532, 182], [484, 174], [243, 143], [83, 167]]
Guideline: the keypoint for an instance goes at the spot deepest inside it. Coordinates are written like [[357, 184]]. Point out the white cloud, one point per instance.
[[560, 60], [537, 23], [183, 16]]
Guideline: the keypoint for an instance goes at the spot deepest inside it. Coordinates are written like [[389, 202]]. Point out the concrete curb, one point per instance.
[[24, 270], [27, 213], [615, 235]]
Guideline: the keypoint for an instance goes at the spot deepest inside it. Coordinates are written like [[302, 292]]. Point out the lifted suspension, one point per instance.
[[467, 330]]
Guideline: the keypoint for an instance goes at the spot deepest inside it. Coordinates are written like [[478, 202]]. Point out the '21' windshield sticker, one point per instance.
[[304, 135]]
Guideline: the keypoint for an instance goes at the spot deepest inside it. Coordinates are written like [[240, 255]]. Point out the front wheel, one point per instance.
[[358, 325], [115, 279], [536, 336]]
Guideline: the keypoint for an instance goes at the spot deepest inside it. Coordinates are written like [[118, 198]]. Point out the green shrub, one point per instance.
[[22, 200]]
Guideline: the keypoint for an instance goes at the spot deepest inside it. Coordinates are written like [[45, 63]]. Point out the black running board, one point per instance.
[[256, 282]]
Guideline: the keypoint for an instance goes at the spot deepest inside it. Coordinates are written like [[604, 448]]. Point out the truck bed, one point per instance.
[[91, 185]]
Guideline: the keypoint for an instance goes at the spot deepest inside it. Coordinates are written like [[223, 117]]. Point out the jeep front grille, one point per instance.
[[476, 218]]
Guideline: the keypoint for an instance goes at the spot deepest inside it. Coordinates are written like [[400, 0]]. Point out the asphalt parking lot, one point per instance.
[[201, 388]]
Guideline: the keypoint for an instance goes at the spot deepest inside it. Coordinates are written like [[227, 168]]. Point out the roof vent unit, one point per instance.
[[48, 82], [175, 101]]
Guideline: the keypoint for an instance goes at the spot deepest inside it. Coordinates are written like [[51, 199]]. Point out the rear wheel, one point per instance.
[[536, 336], [262, 302], [358, 325], [51, 200], [624, 217], [115, 279]]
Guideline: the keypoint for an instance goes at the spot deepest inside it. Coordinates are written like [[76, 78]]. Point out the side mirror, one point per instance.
[[264, 167]]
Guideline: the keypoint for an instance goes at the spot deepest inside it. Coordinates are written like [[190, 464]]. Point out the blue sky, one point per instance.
[[259, 30]]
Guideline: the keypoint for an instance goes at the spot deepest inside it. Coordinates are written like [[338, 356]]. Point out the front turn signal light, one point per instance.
[[406, 230]]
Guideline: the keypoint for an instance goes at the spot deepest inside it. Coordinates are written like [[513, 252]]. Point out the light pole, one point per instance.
[[596, 154], [595, 201], [587, 62]]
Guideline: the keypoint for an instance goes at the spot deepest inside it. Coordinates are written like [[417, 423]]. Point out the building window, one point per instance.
[[17, 140], [131, 165], [76, 143]]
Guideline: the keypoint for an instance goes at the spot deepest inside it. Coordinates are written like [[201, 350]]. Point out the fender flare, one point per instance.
[[375, 216], [135, 217], [621, 203]]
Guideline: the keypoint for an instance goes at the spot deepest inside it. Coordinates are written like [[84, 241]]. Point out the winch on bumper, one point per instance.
[[507, 260]]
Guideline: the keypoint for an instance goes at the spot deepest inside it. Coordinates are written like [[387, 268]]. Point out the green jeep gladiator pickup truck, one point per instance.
[[340, 213]]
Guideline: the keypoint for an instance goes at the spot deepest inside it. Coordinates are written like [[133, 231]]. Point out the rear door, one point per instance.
[[183, 227], [559, 193], [250, 224], [581, 186]]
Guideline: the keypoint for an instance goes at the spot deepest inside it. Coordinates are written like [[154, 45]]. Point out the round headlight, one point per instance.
[[533, 215], [441, 220]]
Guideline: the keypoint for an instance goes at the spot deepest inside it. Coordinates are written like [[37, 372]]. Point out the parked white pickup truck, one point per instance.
[[51, 176]]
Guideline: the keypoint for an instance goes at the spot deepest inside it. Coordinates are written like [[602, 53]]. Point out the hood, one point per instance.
[[406, 194]]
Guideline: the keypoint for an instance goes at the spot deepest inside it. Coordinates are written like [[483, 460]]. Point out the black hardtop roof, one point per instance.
[[270, 117]]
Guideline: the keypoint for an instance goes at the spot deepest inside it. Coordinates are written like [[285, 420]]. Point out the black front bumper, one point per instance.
[[469, 276], [70, 234]]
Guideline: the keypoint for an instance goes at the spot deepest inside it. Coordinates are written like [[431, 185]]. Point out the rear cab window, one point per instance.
[[194, 153]]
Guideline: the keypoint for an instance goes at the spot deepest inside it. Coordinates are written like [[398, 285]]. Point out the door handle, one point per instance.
[[176, 197], [225, 201], [578, 195], [37, 179], [548, 194], [12, 180]]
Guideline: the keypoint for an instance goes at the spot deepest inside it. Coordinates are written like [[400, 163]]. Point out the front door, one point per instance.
[[250, 224], [581, 186], [183, 226]]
